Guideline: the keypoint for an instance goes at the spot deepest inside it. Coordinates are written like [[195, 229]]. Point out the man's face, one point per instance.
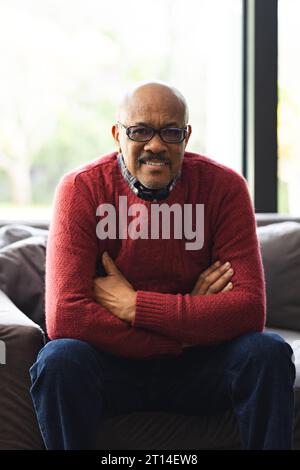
[[155, 108]]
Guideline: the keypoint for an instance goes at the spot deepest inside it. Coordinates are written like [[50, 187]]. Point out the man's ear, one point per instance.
[[189, 129], [116, 135]]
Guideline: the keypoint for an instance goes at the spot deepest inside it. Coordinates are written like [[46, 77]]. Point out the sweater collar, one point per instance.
[[142, 191]]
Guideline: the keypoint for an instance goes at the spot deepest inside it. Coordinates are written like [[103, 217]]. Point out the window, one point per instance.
[[64, 63], [289, 107]]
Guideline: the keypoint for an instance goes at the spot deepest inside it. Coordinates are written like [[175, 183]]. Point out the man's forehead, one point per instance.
[[153, 101], [144, 111]]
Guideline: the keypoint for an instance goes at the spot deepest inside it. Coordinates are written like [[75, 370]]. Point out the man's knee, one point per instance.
[[265, 347], [64, 355]]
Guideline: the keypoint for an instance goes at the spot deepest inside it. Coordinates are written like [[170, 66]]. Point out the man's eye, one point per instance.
[[172, 132], [139, 131]]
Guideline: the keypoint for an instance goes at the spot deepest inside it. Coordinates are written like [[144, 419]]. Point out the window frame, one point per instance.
[[260, 99]]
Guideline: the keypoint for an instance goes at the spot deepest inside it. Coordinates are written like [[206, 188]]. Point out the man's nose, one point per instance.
[[155, 145]]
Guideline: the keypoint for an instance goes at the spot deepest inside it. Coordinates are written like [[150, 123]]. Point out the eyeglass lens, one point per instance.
[[167, 134]]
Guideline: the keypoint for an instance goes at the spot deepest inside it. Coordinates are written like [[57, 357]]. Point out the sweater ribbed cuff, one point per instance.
[[152, 313]]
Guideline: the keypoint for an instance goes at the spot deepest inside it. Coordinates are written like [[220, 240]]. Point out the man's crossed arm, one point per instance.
[[118, 296]]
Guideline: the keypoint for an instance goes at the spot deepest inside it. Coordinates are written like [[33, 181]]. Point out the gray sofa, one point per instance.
[[22, 334]]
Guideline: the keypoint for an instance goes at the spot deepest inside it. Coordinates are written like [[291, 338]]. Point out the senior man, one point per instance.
[[141, 317]]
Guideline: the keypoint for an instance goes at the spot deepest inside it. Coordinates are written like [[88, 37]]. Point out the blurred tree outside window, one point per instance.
[[289, 107], [64, 65]]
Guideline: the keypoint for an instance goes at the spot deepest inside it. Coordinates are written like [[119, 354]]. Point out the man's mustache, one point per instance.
[[152, 156]]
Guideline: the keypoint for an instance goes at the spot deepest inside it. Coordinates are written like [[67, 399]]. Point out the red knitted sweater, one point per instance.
[[162, 271]]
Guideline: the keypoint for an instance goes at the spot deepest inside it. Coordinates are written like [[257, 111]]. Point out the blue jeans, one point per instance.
[[74, 386]]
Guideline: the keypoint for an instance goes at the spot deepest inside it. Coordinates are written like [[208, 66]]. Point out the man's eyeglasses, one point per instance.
[[170, 135]]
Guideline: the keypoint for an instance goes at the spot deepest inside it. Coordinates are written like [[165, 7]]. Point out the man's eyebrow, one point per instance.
[[169, 124]]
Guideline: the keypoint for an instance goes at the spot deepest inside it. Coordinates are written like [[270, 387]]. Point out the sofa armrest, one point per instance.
[[20, 341]]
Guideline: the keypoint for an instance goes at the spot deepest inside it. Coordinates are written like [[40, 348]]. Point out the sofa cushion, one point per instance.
[[280, 247], [15, 232], [22, 339], [22, 270], [160, 430], [166, 431]]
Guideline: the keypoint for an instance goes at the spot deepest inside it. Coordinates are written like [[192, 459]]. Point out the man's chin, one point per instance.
[[154, 181]]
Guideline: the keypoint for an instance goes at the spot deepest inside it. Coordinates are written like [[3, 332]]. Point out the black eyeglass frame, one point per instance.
[[155, 131]]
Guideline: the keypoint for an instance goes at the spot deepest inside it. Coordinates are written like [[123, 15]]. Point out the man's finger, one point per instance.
[[220, 283], [212, 274], [228, 288], [211, 268], [205, 273], [109, 266], [218, 273], [199, 288]]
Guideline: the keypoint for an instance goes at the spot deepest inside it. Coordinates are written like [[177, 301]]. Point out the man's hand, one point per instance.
[[114, 292], [214, 279]]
